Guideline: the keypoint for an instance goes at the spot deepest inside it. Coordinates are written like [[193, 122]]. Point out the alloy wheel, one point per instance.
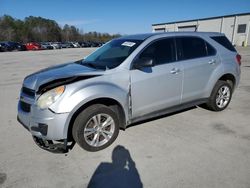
[[223, 96], [99, 130]]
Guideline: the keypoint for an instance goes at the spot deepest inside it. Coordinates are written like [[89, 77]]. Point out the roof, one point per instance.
[[147, 35], [200, 19], [137, 36]]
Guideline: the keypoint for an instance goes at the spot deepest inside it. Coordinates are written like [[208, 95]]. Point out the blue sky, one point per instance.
[[124, 17]]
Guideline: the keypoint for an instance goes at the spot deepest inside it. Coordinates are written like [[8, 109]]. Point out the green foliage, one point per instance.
[[39, 29]]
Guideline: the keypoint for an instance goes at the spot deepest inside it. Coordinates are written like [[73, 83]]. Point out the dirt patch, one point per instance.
[[221, 128], [246, 88], [3, 177], [246, 137]]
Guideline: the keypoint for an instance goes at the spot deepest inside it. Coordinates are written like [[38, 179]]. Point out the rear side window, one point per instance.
[[210, 50], [191, 47], [222, 40], [162, 51]]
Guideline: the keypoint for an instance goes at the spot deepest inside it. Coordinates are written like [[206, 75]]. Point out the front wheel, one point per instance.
[[96, 127], [220, 97]]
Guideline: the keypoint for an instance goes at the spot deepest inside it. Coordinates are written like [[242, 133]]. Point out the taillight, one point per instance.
[[238, 58]]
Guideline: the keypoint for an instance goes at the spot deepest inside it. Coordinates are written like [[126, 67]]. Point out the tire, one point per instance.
[[220, 96], [89, 129]]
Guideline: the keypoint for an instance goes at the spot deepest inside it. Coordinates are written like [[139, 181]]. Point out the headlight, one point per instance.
[[49, 97]]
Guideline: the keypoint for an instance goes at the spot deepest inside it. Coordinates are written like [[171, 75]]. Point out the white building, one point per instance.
[[236, 27]]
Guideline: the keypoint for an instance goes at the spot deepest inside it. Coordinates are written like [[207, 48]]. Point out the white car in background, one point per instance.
[[75, 44], [56, 45]]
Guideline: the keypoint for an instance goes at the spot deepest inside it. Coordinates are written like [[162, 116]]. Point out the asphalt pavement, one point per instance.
[[192, 148]]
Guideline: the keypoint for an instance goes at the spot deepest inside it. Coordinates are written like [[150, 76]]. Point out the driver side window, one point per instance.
[[161, 51]]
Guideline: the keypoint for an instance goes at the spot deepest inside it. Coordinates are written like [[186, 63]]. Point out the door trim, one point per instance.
[[169, 110]]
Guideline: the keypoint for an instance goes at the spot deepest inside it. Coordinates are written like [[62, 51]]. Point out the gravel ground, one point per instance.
[[193, 148]]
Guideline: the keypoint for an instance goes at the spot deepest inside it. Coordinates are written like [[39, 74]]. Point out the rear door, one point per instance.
[[199, 60], [158, 87]]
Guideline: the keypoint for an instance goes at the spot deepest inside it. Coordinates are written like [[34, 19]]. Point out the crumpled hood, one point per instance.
[[64, 71]]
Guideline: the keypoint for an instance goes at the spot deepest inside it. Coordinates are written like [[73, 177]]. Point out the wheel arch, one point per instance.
[[112, 103], [230, 78]]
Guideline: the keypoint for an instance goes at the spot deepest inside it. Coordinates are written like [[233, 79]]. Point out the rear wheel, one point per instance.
[[220, 97], [96, 127]]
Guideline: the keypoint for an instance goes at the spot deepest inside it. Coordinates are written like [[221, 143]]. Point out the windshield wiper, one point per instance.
[[89, 65], [92, 65]]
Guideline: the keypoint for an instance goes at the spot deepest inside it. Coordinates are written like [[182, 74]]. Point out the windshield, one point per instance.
[[111, 54]]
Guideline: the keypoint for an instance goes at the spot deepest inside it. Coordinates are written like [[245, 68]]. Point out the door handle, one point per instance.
[[212, 62], [175, 71]]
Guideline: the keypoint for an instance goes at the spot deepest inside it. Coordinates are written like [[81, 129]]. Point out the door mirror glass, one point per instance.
[[143, 62]]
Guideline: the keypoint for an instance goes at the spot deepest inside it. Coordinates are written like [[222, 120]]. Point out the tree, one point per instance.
[[39, 29]]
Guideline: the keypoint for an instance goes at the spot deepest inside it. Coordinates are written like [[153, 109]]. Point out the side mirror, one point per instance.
[[143, 62]]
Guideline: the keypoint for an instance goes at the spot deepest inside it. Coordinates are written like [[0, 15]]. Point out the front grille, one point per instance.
[[28, 92], [25, 106]]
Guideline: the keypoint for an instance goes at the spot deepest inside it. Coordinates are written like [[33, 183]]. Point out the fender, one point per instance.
[[214, 78], [70, 104]]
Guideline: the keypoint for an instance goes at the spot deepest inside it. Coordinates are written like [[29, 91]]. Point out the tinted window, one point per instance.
[[162, 51], [222, 40], [191, 47], [210, 50], [242, 28]]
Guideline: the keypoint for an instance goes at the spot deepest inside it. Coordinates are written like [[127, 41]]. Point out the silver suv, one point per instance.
[[127, 80]]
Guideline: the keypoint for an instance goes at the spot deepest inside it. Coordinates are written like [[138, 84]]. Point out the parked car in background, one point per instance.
[[5, 47], [96, 44], [90, 44], [84, 44], [75, 44], [67, 45], [56, 45], [2, 49], [16, 46], [46, 46], [33, 46]]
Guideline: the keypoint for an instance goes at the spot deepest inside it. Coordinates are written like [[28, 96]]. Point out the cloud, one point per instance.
[[79, 22]]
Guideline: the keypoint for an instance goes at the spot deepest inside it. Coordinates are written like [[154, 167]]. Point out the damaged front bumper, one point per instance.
[[52, 146], [48, 129], [62, 146]]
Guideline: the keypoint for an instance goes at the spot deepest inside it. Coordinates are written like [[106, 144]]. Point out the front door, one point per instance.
[[158, 87]]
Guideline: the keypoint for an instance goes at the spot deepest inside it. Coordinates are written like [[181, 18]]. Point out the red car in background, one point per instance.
[[33, 46]]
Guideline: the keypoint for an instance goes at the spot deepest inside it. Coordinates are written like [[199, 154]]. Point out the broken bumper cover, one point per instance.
[[48, 129], [49, 145], [44, 124]]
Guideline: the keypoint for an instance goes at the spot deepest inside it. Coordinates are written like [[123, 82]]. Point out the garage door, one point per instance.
[[187, 28], [160, 30]]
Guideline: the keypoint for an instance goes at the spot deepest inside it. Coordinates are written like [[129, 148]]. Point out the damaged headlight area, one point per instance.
[[49, 97]]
